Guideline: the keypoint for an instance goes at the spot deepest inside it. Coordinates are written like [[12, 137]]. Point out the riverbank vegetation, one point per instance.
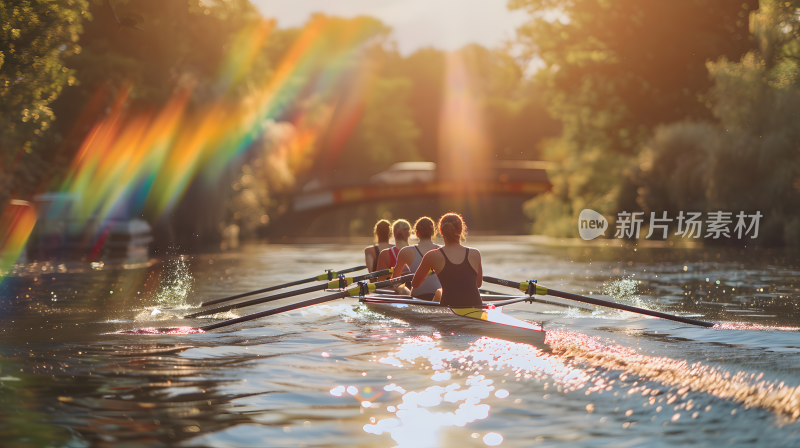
[[670, 106], [641, 106]]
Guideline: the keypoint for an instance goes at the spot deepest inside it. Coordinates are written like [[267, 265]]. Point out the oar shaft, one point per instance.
[[353, 269], [284, 295], [259, 291], [281, 286], [493, 297], [579, 298], [282, 309], [633, 309], [314, 301], [512, 301]]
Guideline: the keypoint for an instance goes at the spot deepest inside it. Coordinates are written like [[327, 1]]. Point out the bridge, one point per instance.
[[342, 196], [419, 180], [492, 200]]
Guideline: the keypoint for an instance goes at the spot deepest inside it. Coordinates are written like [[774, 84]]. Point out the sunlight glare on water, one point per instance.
[[338, 374], [415, 425]]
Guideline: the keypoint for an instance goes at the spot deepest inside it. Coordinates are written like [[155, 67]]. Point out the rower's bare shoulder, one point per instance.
[[406, 250], [474, 254], [434, 254]]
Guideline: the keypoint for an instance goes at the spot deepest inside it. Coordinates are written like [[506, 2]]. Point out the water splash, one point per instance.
[[624, 289], [176, 283], [331, 310], [153, 314]]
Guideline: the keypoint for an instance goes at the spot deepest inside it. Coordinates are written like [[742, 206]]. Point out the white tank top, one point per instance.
[[431, 283]]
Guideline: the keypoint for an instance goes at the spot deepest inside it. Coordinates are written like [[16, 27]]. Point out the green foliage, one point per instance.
[[180, 46], [363, 114], [386, 132], [425, 69], [511, 107], [749, 161], [614, 70], [35, 36]]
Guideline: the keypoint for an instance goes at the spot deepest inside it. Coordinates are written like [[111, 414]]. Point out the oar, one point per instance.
[[532, 288], [361, 289], [495, 296], [495, 300], [339, 283], [330, 275]]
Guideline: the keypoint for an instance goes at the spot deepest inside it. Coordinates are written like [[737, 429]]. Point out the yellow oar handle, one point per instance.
[[323, 277], [336, 284], [357, 291], [540, 290]]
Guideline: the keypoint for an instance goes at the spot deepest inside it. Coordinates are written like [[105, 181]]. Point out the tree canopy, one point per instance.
[[614, 71], [745, 158], [35, 36]]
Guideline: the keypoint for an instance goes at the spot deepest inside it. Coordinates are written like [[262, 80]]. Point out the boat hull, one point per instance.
[[491, 323]]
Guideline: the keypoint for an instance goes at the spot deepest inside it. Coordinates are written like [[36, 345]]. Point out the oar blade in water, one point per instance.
[[541, 290]]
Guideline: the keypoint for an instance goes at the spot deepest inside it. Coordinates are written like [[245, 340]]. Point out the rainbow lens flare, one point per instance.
[[133, 161]]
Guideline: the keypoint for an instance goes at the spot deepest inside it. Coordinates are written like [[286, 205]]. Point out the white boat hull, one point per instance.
[[491, 322]]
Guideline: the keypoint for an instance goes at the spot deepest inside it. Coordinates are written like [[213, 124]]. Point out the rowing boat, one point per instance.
[[487, 321]]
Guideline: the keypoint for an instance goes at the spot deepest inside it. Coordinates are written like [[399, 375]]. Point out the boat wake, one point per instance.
[[747, 326], [578, 364], [159, 331], [742, 387]]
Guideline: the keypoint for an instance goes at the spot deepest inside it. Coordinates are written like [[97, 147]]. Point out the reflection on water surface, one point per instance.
[[337, 375]]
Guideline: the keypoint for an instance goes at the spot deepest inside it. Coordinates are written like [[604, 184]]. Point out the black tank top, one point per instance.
[[459, 283]]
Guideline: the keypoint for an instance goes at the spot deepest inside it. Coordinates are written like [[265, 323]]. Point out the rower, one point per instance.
[[411, 257], [401, 230], [382, 232], [458, 267]]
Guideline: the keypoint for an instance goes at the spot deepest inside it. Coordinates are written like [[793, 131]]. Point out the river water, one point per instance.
[[338, 375]]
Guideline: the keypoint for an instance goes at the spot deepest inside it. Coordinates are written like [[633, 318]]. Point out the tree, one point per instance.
[[386, 128], [35, 36], [748, 160], [614, 70]]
